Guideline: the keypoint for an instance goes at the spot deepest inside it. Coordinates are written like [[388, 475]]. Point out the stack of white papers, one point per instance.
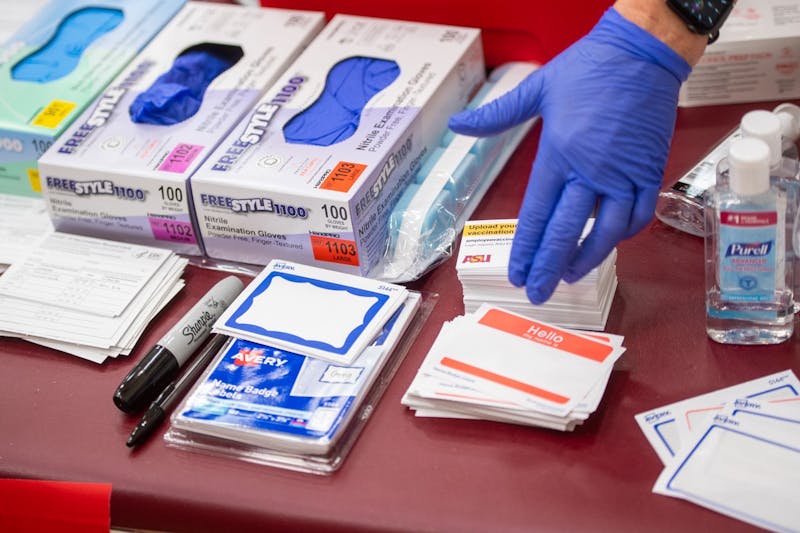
[[734, 450], [88, 297], [24, 223], [482, 268], [497, 365]]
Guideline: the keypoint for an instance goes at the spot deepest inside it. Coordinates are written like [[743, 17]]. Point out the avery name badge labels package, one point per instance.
[[276, 399], [55, 64], [313, 173], [120, 172]]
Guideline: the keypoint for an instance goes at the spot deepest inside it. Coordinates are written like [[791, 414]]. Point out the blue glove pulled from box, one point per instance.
[[178, 93], [335, 115]]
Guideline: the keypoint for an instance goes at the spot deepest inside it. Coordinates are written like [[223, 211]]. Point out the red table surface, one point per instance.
[[57, 420]]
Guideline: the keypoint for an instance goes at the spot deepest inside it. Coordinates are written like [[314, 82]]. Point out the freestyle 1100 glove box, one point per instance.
[[755, 59], [314, 171], [55, 64], [120, 172]]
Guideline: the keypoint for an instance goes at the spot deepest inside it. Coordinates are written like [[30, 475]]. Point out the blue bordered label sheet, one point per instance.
[[661, 425], [311, 311], [744, 464]]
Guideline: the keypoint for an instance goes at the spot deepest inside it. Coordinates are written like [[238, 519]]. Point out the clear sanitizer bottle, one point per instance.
[[681, 206], [784, 172], [749, 297], [783, 156]]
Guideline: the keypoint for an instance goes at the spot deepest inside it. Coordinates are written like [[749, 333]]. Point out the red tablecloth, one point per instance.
[[57, 420]]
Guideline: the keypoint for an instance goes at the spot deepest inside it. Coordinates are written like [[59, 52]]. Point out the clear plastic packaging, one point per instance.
[[681, 206], [448, 187], [292, 411]]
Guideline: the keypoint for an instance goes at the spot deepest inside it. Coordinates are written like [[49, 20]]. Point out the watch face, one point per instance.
[[706, 14]]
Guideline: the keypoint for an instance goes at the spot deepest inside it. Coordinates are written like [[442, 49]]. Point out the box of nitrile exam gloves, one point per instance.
[[756, 58], [314, 171], [120, 172], [55, 64]]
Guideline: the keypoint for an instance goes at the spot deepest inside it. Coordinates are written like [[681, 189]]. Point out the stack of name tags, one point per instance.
[[310, 353], [734, 450], [497, 365], [483, 271], [88, 297]]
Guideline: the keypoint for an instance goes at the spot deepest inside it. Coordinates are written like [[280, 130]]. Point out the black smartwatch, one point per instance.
[[704, 17]]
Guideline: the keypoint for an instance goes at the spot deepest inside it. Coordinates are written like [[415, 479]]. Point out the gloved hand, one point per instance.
[[608, 106]]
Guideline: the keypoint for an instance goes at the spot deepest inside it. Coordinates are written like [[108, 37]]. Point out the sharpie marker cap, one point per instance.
[[157, 370]]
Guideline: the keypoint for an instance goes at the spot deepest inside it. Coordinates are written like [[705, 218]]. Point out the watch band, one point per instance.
[[706, 23]]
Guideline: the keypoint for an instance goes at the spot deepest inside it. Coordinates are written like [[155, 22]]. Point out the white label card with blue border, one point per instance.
[[660, 425], [311, 311], [745, 464]]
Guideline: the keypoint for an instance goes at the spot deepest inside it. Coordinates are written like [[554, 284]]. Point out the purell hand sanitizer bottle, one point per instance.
[[783, 172], [681, 206], [783, 160], [749, 297]]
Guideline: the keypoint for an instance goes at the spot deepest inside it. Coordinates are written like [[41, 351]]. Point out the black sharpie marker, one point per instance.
[[161, 406], [162, 363]]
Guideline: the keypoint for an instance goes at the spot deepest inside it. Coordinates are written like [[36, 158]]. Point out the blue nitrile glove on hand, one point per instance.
[[608, 106]]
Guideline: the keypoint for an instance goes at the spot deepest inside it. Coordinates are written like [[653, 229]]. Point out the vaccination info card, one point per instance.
[[670, 427], [312, 311], [95, 276]]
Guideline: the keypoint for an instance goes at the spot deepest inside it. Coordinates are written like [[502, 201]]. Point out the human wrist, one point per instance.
[[655, 17]]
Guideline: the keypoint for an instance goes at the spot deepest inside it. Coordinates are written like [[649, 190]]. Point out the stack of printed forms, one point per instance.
[[497, 365], [734, 450], [87, 297], [23, 225], [482, 269]]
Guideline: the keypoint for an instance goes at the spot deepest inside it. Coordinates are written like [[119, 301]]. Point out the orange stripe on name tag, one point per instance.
[[477, 398], [545, 334], [503, 380]]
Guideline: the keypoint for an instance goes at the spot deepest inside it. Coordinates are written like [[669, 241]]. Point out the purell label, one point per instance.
[[747, 249], [748, 252]]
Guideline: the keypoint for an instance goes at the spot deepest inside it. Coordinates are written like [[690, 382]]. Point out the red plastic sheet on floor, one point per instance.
[[34, 506]]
